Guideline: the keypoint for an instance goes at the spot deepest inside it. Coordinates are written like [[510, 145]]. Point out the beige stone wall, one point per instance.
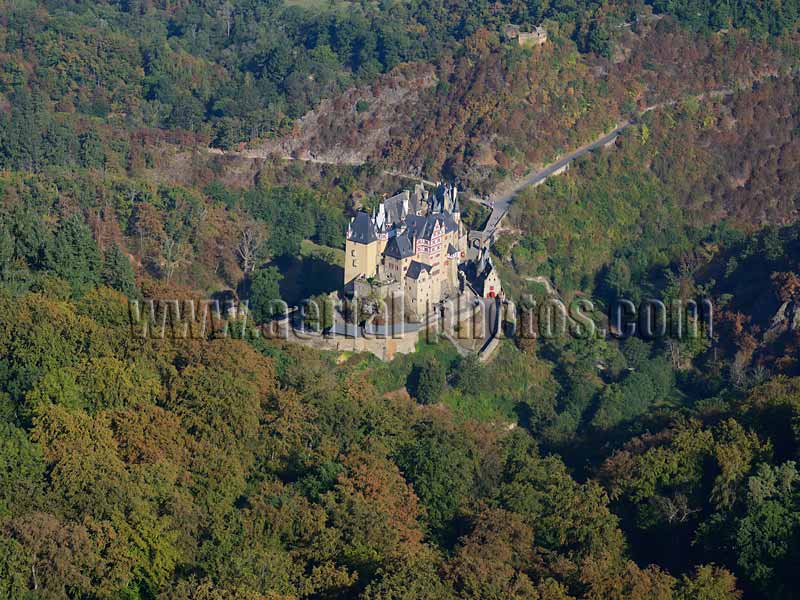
[[396, 268], [536, 38], [452, 274], [383, 348], [360, 259], [419, 294]]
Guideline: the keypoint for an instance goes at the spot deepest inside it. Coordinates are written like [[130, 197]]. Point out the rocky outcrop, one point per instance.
[[786, 319], [355, 126]]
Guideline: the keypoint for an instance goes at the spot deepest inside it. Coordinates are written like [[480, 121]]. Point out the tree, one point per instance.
[[709, 583], [92, 155], [319, 312], [74, 255], [411, 577], [469, 374], [6, 252], [62, 556], [31, 240], [618, 277], [251, 239], [438, 462], [330, 228], [565, 516], [226, 12], [265, 297], [766, 536], [174, 253], [376, 512], [431, 381], [21, 471], [85, 471], [15, 568], [290, 212], [599, 40], [118, 273], [494, 559]]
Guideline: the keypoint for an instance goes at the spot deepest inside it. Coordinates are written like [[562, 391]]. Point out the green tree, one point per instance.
[[117, 272], [92, 154], [290, 212], [74, 255], [30, 238], [431, 381], [766, 538], [15, 568], [439, 463], [265, 297], [709, 583], [21, 471], [599, 39], [330, 228], [319, 312], [469, 374], [6, 252]]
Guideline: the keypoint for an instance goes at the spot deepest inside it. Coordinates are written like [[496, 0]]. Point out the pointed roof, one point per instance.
[[400, 246], [481, 267], [362, 229], [397, 207], [423, 227], [415, 269], [380, 219]]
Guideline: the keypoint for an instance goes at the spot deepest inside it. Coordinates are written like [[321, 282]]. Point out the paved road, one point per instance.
[[502, 202]]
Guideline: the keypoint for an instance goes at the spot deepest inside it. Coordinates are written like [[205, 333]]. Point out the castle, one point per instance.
[[413, 243]]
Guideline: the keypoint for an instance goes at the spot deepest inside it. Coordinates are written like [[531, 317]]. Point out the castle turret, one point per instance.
[[362, 248]]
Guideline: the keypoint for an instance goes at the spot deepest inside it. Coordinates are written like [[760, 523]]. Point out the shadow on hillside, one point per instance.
[[306, 276]]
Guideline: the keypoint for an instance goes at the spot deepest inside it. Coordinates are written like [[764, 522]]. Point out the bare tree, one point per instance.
[[251, 238], [226, 12], [676, 509], [173, 253], [675, 353]]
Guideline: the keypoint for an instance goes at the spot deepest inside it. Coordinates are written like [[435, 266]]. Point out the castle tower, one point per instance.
[[362, 249]]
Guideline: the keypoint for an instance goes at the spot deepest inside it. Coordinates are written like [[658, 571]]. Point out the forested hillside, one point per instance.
[[207, 470], [255, 469], [684, 174]]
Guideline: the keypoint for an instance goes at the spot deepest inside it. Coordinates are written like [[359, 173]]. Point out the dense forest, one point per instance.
[[257, 469]]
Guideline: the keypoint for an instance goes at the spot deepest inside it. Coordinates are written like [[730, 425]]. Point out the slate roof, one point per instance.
[[415, 269], [449, 222], [362, 229], [399, 247], [422, 227], [396, 207], [451, 249], [444, 199]]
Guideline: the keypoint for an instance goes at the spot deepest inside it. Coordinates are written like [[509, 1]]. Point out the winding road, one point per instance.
[[501, 202]]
